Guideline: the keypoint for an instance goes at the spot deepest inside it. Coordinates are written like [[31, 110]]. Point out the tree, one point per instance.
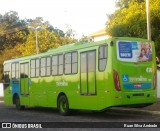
[[48, 37], [128, 21], [131, 21], [85, 39], [122, 3], [70, 32], [9, 53], [12, 30], [16, 40], [125, 3], [46, 40]]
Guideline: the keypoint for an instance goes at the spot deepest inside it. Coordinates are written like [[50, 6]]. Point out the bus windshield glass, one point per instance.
[[133, 51]]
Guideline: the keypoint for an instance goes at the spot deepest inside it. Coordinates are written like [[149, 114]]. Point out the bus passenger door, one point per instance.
[[88, 73], [24, 80]]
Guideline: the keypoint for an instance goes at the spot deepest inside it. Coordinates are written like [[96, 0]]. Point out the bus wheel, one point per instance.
[[63, 106], [17, 103]]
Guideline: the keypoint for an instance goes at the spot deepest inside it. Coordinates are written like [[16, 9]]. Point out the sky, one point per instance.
[[83, 16]]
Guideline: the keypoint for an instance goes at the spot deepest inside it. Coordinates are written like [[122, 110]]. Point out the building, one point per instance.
[[99, 35]]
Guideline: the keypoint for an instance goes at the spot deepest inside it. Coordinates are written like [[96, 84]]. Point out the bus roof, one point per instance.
[[71, 47]]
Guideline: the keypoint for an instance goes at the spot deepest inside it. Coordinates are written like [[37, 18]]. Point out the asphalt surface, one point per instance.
[[135, 115], [38, 114]]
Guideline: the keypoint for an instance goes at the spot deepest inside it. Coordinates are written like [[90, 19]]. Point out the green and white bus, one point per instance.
[[91, 76]]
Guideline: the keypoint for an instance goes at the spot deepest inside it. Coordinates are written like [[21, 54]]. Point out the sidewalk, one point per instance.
[[154, 107]]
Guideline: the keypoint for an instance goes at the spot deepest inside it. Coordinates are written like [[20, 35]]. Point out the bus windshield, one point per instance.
[[133, 51]]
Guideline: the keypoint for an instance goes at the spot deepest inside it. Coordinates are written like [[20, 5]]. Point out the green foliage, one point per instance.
[[125, 3], [85, 39], [122, 3], [9, 53], [46, 39], [130, 20], [12, 30], [17, 40]]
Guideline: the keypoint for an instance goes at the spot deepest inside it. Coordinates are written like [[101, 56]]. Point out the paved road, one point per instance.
[[10, 114]]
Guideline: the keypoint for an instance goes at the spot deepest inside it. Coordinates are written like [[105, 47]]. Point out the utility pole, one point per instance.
[[36, 31], [148, 20], [37, 48]]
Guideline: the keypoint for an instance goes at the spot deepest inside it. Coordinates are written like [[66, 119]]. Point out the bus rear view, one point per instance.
[[134, 72]]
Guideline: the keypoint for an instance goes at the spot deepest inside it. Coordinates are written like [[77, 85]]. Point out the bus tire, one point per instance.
[[63, 106], [18, 104]]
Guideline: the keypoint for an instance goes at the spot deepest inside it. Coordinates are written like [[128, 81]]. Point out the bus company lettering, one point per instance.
[[62, 83], [135, 79]]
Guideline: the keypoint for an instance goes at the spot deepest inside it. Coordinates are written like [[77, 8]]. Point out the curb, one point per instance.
[[135, 111]]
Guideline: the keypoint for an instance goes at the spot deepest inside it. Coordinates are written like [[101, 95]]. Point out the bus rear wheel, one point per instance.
[[63, 106], [17, 103]]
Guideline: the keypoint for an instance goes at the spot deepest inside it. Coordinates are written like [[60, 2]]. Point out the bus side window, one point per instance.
[[68, 65], [48, 66], [57, 65], [71, 60], [60, 64], [54, 65], [13, 74], [37, 68], [43, 66], [15, 70], [74, 62], [34, 69], [6, 75], [102, 59]]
